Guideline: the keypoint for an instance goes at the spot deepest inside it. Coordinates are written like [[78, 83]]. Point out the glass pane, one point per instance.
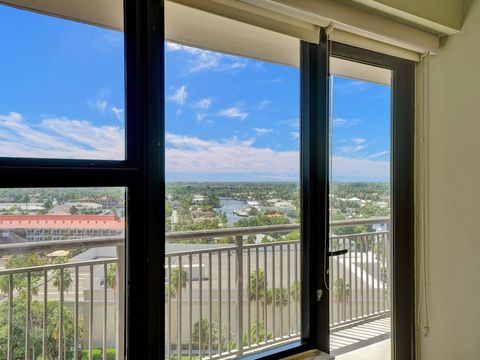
[[360, 281], [232, 161], [62, 272], [61, 88]]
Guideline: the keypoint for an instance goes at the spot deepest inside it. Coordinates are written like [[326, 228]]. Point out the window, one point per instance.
[[59, 273], [153, 291], [232, 162], [66, 100]]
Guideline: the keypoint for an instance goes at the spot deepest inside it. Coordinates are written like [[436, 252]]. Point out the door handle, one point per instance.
[[338, 252]]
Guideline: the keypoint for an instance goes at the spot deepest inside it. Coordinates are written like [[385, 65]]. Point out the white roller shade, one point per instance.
[[263, 29], [257, 16]]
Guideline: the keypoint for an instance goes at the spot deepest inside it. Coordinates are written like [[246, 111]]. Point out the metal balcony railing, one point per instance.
[[225, 300], [222, 300]]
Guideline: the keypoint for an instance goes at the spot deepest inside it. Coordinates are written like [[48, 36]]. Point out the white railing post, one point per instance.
[[120, 308], [239, 281]]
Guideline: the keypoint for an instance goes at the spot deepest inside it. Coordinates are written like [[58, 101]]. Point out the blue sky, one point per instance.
[[227, 118]]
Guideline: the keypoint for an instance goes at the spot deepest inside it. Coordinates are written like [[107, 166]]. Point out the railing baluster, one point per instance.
[[384, 278], [104, 335], [330, 281], [257, 297], [200, 301], [379, 254], [337, 284], [355, 243], [90, 318], [361, 273], [295, 247], [169, 295], [28, 316], [265, 295], [190, 306], [219, 303], [350, 278], [239, 281], [45, 315], [179, 307], [210, 322], [229, 286], [249, 296], [273, 294], [10, 317], [75, 329], [345, 293], [288, 290], [368, 274], [60, 326], [281, 291]]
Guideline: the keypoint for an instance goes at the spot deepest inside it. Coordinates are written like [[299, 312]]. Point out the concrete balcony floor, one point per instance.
[[368, 341]]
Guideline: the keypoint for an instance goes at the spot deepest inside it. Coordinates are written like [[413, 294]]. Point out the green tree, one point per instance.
[[341, 291], [253, 333], [20, 281], [36, 333], [74, 210], [201, 334], [178, 282], [67, 274]]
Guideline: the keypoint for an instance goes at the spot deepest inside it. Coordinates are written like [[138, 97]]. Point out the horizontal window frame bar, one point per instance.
[[30, 162], [44, 177]]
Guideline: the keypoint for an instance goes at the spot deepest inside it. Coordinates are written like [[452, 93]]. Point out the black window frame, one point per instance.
[[142, 172], [402, 190]]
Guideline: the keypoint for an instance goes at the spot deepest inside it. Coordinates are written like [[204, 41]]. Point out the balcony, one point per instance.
[[221, 300]]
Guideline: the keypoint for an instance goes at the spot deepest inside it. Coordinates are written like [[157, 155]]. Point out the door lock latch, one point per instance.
[[319, 295]]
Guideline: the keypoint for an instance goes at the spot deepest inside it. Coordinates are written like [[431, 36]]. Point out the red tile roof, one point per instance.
[[61, 222]]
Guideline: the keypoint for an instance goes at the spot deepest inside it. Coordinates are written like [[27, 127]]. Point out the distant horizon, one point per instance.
[[266, 182]]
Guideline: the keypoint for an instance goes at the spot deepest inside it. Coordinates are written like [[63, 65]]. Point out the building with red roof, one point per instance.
[[15, 228]]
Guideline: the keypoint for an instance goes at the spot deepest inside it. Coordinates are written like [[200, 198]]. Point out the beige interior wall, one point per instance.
[[453, 205]]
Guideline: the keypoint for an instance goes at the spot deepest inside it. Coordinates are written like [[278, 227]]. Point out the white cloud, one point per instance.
[[203, 103], [374, 156], [359, 140], [351, 149], [208, 60], [100, 105], [263, 103], [344, 122], [360, 168], [192, 155], [233, 112], [293, 123], [179, 96], [60, 138], [295, 135], [118, 113], [186, 154], [261, 131], [201, 116]]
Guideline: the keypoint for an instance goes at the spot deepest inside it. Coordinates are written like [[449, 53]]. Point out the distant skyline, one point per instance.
[[227, 118]]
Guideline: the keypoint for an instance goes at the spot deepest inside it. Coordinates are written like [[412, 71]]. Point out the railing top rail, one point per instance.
[[51, 245], [190, 235], [353, 222], [40, 268]]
